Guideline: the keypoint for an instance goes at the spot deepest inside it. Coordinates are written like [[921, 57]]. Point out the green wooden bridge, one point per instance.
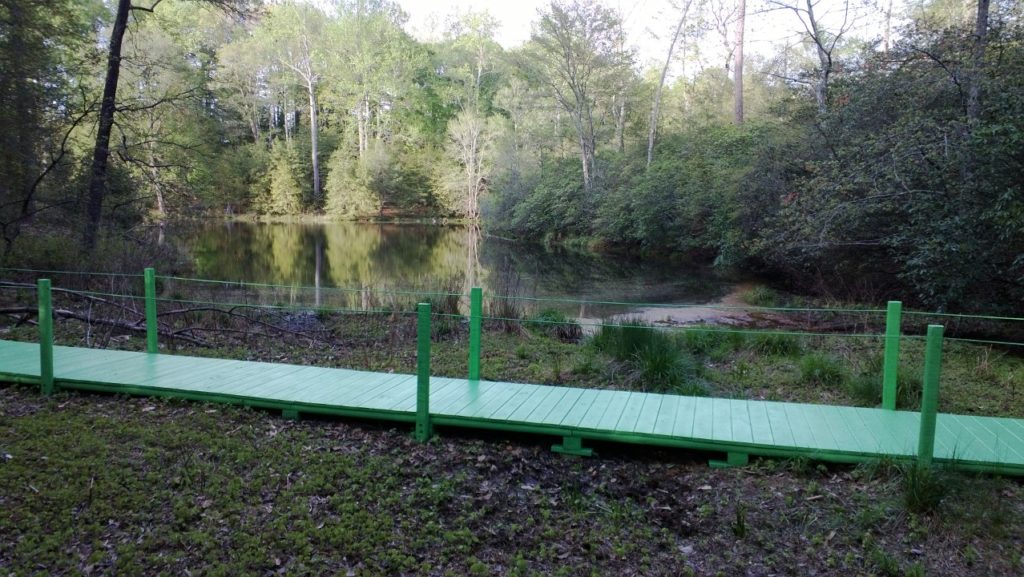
[[735, 428]]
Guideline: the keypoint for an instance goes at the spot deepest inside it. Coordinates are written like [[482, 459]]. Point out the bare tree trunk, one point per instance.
[[652, 126], [314, 142], [824, 60], [888, 27], [101, 150], [737, 85]]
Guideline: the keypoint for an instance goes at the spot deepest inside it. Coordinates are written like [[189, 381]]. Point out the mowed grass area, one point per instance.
[[108, 485]]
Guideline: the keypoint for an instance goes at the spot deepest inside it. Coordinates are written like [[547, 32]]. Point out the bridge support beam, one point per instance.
[[572, 446], [731, 460]]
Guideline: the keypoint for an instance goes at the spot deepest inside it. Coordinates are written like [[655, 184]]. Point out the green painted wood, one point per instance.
[[45, 336], [891, 362], [930, 395], [648, 417], [736, 427], [423, 372], [476, 306], [152, 346], [666, 419]]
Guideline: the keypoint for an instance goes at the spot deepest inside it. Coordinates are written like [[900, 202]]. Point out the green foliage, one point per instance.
[[283, 191], [554, 323], [820, 369], [775, 344], [924, 488], [622, 341], [348, 186], [663, 367], [712, 341], [760, 296]]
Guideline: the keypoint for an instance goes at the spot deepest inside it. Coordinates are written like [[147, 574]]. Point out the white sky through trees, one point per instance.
[[648, 22]]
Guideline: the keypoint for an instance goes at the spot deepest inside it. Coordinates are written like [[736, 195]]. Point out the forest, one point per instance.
[[857, 161]]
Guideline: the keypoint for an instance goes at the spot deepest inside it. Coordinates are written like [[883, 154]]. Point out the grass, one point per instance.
[[128, 486]]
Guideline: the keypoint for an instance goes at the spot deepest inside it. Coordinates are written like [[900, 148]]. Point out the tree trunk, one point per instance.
[[737, 85], [314, 143], [101, 151], [652, 127], [824, 60]]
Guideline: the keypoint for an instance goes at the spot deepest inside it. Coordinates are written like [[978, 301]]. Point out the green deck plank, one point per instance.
[[613, 414], [760, 427], [739, 419], [860, 436], [557, 394], [559, 410], [574, 415], [476, 402], [686, 416], [451, 399], [993, 437], [894, 439], [353, 396], [1013, 432], [703, 423], [666, 418], [1007, 443], [503, 412], [965, 443], [833, 417], [627, 418], [297, 385], [648, 417], [407, 402], [608, 401], [782, 430], [537, 399]]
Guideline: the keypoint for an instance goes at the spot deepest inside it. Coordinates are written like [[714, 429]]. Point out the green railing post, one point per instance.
[[930, 395], [45, 337], [423, 428], [476, 300], [891, 366], [151, 328]]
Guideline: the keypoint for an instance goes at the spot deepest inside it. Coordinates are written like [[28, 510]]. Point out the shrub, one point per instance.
[[866, 389], [662, 366], [923, 488], [760, 296], [554, 324], [817, 368], [623, 341], [776, 344]]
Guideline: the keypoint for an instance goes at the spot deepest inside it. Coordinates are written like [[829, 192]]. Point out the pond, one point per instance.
[[400, 257]]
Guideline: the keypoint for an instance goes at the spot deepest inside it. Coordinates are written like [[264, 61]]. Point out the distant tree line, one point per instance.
[[864, 166]]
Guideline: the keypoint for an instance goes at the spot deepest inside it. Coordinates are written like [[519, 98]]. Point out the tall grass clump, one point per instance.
[[555, 324], [775, 344], [712, 342], [662, 367], [866, 389], [924, 488], [622, 341], [821, 369]]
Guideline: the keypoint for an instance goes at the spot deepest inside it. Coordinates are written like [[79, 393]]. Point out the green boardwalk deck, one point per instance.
[[740, 427]]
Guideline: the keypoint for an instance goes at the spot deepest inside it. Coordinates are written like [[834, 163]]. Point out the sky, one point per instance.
[[647, 23]]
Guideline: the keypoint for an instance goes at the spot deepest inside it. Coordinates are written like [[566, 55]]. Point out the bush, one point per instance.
[[662, 366], [623, 341], [713, 342], [924, 488], [775, 344], [760, 296], [817, 368], [555, 324]]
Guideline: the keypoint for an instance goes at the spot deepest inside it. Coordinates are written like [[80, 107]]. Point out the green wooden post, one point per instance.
[[151, 327], [45, 337], [476, 300], [423, 428], [930, 395], [891, 365]]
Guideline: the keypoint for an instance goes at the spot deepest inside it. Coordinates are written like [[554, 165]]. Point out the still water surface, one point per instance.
[[439, 258]]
